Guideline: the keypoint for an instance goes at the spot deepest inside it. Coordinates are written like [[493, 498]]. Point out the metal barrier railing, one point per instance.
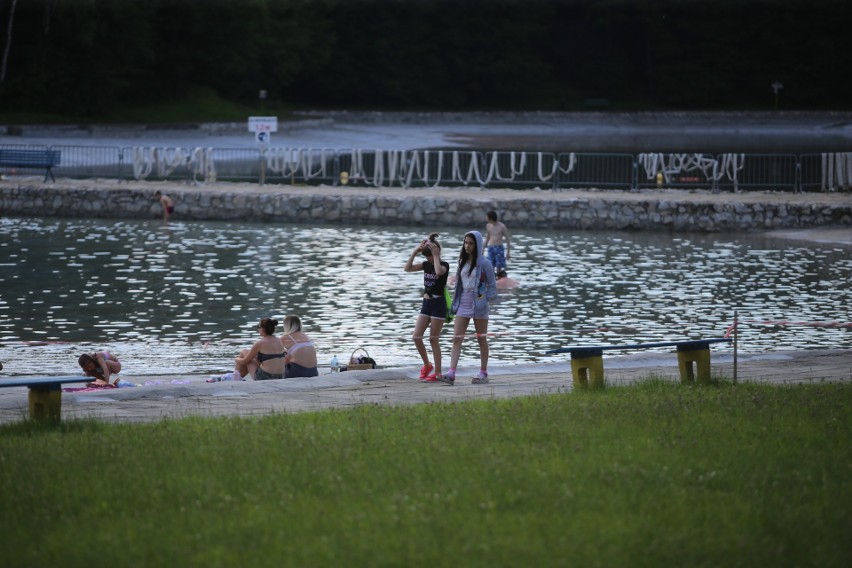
[[455, 168], [159, 163], [520, 169], [84, 162], [810, 173], [434, 168], [233, 164], [825, 172], [605, 171], [377, 168], [689, 171], [764, 171], [300, 165], [410, 168]]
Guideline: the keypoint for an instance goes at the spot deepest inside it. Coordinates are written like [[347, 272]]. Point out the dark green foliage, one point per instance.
[[95, 57]]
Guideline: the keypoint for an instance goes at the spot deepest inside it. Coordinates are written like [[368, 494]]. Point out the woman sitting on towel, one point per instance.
[[301, 359], [265, 359]]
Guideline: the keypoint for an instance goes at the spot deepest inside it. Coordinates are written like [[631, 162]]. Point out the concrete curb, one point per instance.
[[194, 397]]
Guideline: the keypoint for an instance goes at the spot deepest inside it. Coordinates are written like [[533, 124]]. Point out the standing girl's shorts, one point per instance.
[[465, 309], [434, 307]]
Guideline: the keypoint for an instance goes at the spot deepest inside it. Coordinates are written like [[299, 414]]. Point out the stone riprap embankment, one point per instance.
[[673, 210]]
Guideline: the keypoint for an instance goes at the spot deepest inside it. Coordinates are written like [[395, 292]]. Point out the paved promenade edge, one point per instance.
[[180, 397]]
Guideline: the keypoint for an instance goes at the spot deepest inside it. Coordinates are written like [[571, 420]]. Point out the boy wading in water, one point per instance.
[[166, 202], [495, 233]]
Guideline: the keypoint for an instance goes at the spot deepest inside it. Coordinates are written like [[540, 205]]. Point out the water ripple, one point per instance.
[[184, 297]]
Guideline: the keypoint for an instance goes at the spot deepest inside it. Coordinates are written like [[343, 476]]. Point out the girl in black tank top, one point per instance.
[[433, 310]]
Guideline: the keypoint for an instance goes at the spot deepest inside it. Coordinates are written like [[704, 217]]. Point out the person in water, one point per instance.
[[301, 359], [265, 359], [166, 202], [101, 365], [497, 243]]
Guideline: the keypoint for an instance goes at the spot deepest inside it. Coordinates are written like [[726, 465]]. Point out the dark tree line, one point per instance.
[[91, 56]]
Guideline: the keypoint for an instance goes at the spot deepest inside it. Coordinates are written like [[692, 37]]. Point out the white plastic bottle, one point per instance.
[[335, 365]]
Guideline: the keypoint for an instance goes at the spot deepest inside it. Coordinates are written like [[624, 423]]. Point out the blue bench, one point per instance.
[[45, 398], [30, 158], [587, 362]]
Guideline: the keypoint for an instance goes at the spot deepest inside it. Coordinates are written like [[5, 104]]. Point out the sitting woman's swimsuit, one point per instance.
[[294, 370], [261, 357], [299, 344], [106, 355], [260, 374]]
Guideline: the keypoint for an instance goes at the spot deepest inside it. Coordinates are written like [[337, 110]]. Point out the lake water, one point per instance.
[[185, 297]]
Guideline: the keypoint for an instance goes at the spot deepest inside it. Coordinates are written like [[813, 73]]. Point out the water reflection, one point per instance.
[[184, 297]]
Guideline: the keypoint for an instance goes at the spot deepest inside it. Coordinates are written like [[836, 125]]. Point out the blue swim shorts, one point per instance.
[[497, 256]]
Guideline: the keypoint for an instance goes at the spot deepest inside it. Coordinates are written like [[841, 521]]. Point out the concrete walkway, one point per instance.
[[178, 397]]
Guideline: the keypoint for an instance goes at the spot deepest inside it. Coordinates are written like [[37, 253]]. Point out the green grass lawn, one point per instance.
[[656, 474]]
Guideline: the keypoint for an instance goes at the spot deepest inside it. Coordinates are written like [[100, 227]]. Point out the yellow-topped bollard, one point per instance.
[[700, 356], [45, 404], [587, 368], [45, 396]]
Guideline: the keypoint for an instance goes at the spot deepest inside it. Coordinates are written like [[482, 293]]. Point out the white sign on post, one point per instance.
[[263, 138], [263, 124], [263, 127]]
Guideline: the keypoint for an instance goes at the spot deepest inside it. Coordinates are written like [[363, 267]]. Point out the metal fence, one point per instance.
[[764, 171], [825, 172], [453, 168], [85, 162], [607, 171]]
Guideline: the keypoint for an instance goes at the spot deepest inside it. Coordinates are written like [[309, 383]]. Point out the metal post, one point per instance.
[[634, 175], [736, 334], [121, 165], [798, 183]]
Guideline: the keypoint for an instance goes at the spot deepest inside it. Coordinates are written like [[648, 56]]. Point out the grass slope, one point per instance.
[[652, 475]]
